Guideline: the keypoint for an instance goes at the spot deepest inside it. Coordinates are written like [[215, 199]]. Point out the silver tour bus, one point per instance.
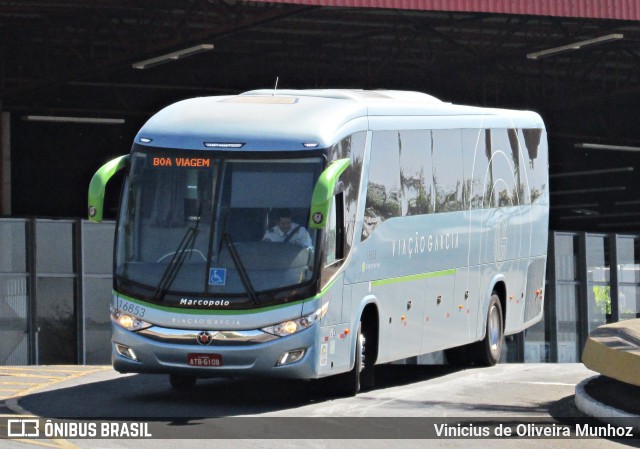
[[416, 226]]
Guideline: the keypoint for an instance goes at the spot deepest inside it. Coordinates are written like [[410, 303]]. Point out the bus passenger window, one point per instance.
[[383, 190], [447, 170], [533, 145], [503, 171], [416, 182], [476, 164]]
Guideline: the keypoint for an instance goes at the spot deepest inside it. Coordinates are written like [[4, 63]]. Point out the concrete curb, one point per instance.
[[614, 350], [602, 412]]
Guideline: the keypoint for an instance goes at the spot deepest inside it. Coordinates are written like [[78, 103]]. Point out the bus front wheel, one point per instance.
[[348, 384]]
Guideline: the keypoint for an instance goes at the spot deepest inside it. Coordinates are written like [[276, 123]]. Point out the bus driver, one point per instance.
[[285, 231]]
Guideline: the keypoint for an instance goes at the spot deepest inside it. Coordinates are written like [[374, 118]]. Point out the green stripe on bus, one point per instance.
[[414, 277], [206, 311], [217, 311]]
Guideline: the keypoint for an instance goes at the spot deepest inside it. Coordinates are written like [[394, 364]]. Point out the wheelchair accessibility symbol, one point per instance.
[[217, 276]]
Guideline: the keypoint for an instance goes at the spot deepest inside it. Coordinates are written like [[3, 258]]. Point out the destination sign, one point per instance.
[[181, 162]]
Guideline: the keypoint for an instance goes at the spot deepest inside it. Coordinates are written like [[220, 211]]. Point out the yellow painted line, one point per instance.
[[37, 376], [66, 444], [36, 443], [10, 367], [5, 424], [12, 370], [37, 367], [12, 404], [17, 383], [62, 379]]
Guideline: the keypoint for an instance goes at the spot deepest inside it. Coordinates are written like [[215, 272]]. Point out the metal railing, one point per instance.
[[56, 282], [55, 289]]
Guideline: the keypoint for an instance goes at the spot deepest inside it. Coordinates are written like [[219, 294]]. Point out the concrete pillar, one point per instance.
[[5, 163]]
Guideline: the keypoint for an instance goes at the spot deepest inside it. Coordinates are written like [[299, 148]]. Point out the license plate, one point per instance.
[[204, 359]]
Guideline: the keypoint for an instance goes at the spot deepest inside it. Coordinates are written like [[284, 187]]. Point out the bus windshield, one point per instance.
[[194, 223]]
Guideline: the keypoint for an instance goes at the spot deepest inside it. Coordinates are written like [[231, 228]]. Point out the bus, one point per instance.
[[424, 224]]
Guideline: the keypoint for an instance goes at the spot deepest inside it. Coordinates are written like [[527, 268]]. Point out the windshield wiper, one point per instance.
[[177, 260], [242, 271]]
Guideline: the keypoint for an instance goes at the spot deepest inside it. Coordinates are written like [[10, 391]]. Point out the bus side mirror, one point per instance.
[[98, 184], [323, 193]]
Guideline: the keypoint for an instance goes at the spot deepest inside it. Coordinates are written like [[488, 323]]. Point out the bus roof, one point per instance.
[[262, 120]]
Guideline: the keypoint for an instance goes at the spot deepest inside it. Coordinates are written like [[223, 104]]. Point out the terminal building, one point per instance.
[[78, 79]]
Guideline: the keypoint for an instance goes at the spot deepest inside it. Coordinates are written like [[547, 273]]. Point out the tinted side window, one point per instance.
[[383, 189], [351, 147], [476, 165], [518, 194], [416, 181], [503, 161], [447, 169], [533, 143]]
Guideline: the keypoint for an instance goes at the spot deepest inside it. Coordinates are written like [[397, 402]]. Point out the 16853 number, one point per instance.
[[131, 308]]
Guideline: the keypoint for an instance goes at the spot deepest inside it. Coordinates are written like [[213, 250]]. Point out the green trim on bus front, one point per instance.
[[414, 277], [221, 312], [98, 183], [323, 193], [205, 311]]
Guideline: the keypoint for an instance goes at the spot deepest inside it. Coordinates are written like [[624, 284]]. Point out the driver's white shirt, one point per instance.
[[300, 237]]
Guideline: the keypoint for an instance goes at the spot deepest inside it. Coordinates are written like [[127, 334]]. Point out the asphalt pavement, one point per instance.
[[403, 394]]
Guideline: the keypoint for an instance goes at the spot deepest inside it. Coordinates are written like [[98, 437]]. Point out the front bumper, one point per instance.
[[243, 354]]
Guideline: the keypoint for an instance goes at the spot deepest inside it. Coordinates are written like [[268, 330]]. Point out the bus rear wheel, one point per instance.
[[487, 351], [490, 348]]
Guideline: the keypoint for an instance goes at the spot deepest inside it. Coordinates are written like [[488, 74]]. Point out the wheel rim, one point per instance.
[[362, 353], [495, 329]]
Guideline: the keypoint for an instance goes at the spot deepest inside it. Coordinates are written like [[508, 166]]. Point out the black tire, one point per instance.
[[489, 349], [348, 384], [367, 377], [181, 382]]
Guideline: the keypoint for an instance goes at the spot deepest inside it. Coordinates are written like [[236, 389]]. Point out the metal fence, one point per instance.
[[55, 290], [592, 279]]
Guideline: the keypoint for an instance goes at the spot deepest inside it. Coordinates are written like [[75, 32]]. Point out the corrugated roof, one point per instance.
[[595, 9]]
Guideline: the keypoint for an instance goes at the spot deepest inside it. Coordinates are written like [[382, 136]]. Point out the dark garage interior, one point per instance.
[[74, 58], [78, 78]]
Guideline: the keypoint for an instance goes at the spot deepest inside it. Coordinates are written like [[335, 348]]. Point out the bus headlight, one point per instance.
[[292, 326], [129, 322]]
